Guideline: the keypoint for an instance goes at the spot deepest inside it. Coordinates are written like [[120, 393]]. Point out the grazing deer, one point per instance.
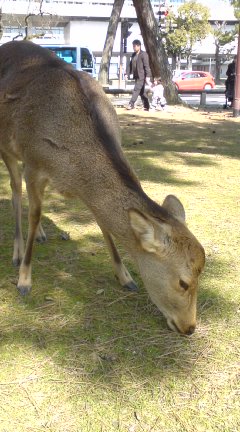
[[61, 125]]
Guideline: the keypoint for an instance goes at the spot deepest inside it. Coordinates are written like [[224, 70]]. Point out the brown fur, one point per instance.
[[60, 123]]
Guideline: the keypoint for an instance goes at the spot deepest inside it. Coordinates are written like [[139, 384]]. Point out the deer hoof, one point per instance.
[[131, 286], [16, 262], [41, 239], [24, 290]]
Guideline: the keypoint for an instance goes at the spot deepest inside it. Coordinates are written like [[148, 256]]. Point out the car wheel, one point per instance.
[[207, 87]]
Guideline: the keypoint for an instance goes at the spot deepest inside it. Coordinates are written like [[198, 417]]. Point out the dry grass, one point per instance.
[[79, 354]]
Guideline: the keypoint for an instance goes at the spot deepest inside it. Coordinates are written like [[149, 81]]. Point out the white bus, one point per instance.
[[80, 57]]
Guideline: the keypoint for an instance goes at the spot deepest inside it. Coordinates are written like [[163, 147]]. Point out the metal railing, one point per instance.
[[203, 93]]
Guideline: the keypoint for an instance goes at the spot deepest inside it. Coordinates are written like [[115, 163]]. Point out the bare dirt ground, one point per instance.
[[185, 113]]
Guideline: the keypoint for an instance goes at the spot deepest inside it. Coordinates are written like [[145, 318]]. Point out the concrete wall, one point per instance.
[[93, 34]]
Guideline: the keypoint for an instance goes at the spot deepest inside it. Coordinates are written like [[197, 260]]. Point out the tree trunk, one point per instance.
[[189, 61], [1, 24], [108, 46], [236, 102], [174, 62], [157, 55], [217, 63]]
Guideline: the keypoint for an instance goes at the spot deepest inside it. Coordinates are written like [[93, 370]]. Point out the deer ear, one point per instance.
[[174, 206], [143, 229]]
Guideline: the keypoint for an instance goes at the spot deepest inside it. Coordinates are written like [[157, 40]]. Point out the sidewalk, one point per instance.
[[120, 101]]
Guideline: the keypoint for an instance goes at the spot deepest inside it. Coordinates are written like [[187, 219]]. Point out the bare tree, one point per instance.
[[41, 13], [108, 46], [154, 46], [222, 37], [27, 24]]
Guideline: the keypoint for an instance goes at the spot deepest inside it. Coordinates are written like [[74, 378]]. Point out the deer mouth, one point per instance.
[[173, 326]]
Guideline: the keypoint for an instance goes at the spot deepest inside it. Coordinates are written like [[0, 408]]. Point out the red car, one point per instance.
[[194, 80]]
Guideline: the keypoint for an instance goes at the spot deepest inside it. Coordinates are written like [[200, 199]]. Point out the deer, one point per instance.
[[59, 123]]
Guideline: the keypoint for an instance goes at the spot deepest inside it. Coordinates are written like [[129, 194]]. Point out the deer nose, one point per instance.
[[190, 330]]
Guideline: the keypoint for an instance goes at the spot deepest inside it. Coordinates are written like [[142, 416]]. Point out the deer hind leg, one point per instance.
[[16, 186], [120, 270], [40, 234], [35, 189]]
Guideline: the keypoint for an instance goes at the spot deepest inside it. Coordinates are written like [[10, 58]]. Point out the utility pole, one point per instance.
[[236, 103]]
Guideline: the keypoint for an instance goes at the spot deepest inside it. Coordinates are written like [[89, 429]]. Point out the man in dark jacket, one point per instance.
[[231, 67], [140, 69], [230, 81]]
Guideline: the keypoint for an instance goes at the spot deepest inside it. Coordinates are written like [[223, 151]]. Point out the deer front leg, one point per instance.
[[16, 186], [35, 191], [24, 283], [120, 270]]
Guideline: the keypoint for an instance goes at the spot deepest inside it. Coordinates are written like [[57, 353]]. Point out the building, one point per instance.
[[85, 22]]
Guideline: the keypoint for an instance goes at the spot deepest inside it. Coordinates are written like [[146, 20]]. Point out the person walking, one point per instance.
[[230, 81], [140, 69]]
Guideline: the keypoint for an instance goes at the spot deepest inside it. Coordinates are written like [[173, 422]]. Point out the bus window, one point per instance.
[[80, 58], [69, 55], [86, 60]]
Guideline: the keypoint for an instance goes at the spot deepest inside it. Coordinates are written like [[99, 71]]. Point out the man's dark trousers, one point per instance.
[[139, 90]]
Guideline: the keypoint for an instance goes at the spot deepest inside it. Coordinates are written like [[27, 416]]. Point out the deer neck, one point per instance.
[[112, 212]]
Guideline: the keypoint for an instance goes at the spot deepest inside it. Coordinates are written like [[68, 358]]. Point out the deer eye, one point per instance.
[[183, 285]]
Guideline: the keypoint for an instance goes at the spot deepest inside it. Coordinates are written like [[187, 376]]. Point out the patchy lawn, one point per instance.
[[79, 354]]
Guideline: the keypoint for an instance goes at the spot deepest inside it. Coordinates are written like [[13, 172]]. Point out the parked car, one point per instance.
[[194, 80], [178, 72]]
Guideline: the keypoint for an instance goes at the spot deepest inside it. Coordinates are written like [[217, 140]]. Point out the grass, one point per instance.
[[79, 354]]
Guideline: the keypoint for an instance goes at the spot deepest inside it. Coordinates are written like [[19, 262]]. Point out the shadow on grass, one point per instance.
[[169, 139], [216, 136], [72, 211], [79, 315], [154, 145]]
